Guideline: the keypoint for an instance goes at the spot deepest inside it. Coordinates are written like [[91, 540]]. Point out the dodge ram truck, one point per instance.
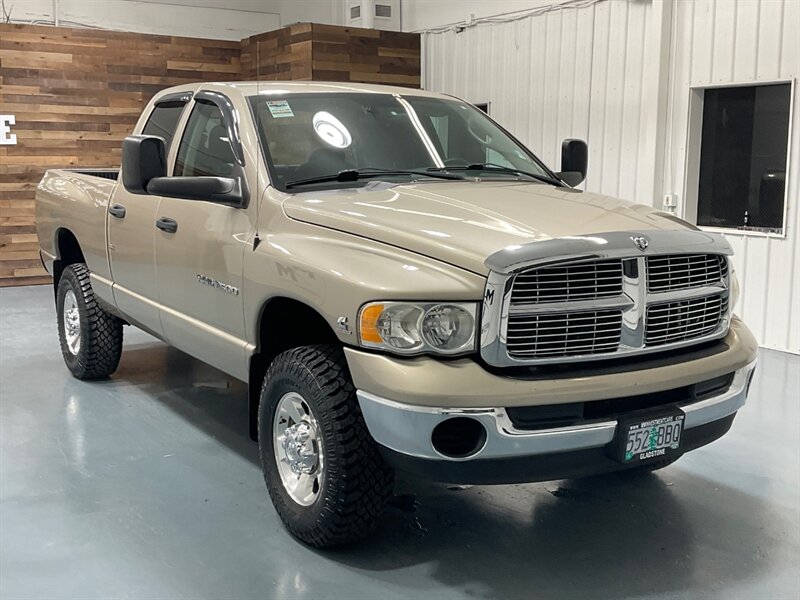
[[403, 285]]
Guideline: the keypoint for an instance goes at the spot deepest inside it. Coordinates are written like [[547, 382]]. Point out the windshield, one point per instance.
[[310, 136]]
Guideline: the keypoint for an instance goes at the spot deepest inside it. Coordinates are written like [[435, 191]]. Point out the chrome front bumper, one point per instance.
[[407, 429]]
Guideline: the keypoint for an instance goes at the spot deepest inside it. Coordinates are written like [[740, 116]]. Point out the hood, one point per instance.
[[463, 222]]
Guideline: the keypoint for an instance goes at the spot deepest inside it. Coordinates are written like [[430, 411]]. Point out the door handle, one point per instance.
[[167, 224], [117, 210]]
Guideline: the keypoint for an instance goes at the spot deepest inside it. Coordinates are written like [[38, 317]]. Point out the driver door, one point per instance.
[[200, 248]]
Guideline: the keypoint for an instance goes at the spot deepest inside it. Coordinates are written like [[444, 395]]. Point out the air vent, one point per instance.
[[355, 12], [383, 10]]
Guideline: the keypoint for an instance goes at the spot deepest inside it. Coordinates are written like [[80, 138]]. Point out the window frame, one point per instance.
[[184, 98], [691, 179], [231, 121]]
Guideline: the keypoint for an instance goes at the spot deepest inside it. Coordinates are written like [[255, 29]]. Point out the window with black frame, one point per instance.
[[164, 120], [745, 136]]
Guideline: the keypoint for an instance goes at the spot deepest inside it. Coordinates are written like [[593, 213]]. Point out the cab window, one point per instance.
[[164, 120], [205, 149]]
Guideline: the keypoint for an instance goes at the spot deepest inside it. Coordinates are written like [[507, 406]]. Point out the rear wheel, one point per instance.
[[325, 476], [91, 338]]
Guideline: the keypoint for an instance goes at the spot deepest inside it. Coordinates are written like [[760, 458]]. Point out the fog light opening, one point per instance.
[[459, 437]]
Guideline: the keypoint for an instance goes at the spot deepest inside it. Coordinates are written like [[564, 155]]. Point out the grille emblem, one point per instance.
[[641, 242]]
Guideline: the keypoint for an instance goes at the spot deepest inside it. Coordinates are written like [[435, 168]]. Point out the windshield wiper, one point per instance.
[[368, 173], [499, 169]]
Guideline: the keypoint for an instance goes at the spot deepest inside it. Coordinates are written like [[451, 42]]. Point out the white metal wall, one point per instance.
[[618, 74], [215, 19], [724, 42], [568, 73]]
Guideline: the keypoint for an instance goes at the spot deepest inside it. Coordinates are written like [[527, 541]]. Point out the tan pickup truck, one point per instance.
[[404, 286]]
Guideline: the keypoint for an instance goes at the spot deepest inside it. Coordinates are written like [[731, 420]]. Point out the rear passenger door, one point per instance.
[[130, 229], [199, 262]]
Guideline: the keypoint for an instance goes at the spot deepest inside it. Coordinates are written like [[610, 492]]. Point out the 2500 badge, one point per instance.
[[228, 289]]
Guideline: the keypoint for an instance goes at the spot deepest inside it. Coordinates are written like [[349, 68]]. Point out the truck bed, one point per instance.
[[74, 202], [102, 172]]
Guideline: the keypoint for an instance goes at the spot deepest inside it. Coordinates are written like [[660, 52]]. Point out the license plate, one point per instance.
[[649, 437]]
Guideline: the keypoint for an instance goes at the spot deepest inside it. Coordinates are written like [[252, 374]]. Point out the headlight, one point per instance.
[[415, 328]]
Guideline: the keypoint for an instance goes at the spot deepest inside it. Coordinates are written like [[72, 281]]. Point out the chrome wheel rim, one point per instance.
[[298, 449], [72, 323]]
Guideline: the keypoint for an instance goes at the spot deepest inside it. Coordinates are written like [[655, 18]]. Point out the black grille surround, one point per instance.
[[606, 307]]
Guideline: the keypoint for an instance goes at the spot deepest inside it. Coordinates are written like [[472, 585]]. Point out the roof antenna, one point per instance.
[[260, 153]]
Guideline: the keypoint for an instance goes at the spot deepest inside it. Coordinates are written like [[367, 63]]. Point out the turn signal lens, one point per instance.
[[369, 323]]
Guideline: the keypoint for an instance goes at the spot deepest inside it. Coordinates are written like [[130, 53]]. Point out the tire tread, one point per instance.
[[364, 480], [102, 339]]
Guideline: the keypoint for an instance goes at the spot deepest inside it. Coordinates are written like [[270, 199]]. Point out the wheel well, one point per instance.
[[284, 324], [68, 252]]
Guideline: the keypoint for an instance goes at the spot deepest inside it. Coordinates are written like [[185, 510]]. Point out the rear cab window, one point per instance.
[[163, 121]]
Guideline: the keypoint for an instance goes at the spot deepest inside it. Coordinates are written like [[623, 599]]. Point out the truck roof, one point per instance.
[[252, 88]]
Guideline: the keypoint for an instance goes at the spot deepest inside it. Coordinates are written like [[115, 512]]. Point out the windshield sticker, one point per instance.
[[279, 109]]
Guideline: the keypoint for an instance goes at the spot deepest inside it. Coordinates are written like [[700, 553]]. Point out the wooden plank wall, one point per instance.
[[365, 55], [77, 92], [279, 55], [309, 51]]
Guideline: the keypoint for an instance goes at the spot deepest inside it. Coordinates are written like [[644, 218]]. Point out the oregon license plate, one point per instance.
[[649, 437]]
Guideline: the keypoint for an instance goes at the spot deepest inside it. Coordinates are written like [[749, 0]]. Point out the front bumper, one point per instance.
[[408, 429], [463, 383], [404, 428]]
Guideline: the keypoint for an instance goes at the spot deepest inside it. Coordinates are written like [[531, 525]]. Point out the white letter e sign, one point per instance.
[[6, 137]]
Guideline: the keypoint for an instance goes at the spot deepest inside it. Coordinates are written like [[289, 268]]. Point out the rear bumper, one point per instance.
[[511, 454]]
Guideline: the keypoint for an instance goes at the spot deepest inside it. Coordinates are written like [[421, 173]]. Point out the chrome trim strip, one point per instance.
[[684, 294], [615, 244], [505, 264], [719, 407], [407, 429], [622, 302]]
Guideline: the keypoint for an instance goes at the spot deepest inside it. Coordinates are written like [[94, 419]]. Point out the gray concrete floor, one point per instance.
[[147, 486]]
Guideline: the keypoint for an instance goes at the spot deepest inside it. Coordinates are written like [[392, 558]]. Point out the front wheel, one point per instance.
[[325, 476], [91, 338]]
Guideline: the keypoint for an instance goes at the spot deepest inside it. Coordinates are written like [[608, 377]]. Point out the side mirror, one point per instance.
[[144, 158], [574, 159], [214, 189]]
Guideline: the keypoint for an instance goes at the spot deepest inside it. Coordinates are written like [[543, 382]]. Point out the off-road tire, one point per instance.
[[356, 481], [101, 332]]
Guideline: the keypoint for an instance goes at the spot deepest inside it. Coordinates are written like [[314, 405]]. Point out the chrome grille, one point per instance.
[[681, 320], [569, 282], [564, 334], [608, 295], [582, 308], [682, 271]]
